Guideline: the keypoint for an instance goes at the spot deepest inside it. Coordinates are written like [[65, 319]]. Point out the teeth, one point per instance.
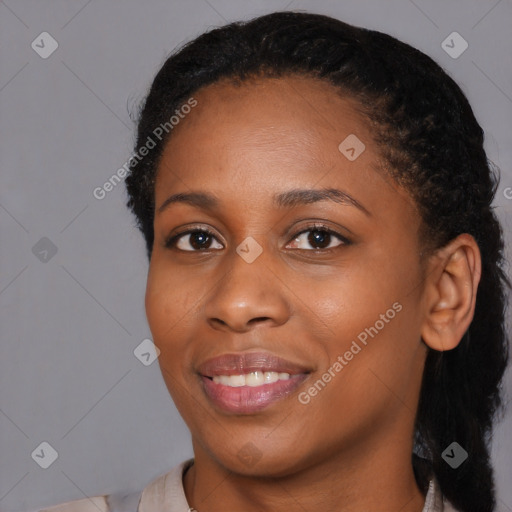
[[271, 377], [252, 379], [223, 379], [236, 381]]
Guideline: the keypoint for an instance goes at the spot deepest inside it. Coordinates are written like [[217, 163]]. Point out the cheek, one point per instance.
[[169, 307], [353, 299], [157, 308], [372, 312], [169, 316], [376, 333]]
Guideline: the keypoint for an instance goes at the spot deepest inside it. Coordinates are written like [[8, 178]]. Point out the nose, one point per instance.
[[246, 296]]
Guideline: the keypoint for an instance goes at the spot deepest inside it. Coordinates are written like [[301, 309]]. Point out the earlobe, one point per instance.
[[450, 293]]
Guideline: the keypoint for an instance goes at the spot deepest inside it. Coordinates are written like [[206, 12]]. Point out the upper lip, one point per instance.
[[246, 362]]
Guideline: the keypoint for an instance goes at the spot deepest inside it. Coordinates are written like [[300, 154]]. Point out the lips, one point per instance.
[[249, 399]]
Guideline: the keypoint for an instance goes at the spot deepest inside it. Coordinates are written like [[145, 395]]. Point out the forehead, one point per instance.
[[248, 141], [273, 107], [295, 122]]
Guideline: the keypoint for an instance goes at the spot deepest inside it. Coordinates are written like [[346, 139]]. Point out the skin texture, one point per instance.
[[349, 448]]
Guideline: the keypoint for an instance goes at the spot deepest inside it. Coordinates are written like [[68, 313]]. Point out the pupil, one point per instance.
[[199, 237], [318, 237]]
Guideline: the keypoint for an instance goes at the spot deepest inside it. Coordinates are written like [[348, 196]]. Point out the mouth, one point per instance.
[[249, 382]]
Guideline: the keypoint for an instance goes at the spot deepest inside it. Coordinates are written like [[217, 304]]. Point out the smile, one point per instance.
[[249, 382]]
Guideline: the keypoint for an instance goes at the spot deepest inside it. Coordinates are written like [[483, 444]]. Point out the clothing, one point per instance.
[[166, 494]]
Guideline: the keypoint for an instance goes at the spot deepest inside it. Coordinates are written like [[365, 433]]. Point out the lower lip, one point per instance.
[[248, 399]]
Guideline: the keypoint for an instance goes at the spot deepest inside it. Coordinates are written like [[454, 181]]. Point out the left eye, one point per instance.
[[320, 237]]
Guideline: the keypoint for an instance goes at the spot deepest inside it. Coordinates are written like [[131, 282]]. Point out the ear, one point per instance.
[[450, 292]]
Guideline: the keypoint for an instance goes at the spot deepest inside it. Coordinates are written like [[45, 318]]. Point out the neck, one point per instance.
[[378, 477]]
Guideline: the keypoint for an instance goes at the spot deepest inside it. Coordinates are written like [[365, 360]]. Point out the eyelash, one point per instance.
[[170, 243]]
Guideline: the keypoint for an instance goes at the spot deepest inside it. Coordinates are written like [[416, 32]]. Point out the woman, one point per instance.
[[325, 283]]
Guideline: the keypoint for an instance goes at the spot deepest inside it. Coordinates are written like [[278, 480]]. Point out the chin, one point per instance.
[[254, 462]]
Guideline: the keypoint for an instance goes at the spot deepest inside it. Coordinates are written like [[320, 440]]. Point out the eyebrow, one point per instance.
[[289, 199]]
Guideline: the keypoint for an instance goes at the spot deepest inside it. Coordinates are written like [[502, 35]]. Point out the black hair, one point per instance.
[[431, 144]]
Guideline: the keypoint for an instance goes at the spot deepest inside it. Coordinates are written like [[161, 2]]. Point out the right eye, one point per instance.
[[199, 240]]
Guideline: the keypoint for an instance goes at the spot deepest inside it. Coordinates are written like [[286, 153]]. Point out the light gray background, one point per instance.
[[69, 326]]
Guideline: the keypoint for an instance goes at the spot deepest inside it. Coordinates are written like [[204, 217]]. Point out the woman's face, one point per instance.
[[314, 299]]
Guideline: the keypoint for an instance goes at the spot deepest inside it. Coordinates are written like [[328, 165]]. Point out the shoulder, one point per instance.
[[93, 504], [164, 493]]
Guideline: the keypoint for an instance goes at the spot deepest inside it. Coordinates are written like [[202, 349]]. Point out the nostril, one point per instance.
[[259, 319]]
